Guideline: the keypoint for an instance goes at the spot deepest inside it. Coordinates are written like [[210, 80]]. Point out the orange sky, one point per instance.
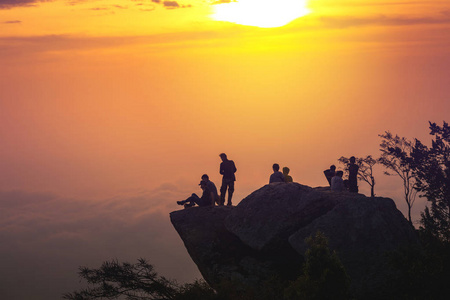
[[116, 99]]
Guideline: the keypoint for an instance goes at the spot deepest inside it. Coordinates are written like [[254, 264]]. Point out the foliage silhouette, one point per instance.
[[432, 171], [132, 281], [396, 157], [420, 272], [324, 276]]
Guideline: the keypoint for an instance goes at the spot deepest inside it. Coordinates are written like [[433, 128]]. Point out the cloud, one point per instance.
[[23, 48], [8, 4], [383, 20], [99, 8], [12, 22], [170, 4], [120, 6], [5, 4], [47, 237]]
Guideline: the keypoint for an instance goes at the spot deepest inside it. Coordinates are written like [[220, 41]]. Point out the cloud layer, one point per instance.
[[14, 3], [45, 238], [8, 4]]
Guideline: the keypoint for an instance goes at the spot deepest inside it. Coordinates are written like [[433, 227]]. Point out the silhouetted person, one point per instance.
[[287, 177], [227, 169], [353, 175], [208, 198], [330, 173], [211, 188], [337, 183], [276, 176]]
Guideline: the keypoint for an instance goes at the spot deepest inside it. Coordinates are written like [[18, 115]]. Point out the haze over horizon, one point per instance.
[[111, 111]]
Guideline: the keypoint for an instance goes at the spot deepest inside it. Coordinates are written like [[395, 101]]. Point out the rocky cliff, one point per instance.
[[265, 234]]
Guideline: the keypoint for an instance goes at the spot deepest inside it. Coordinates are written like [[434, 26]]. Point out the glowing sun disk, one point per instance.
[[261, 13]]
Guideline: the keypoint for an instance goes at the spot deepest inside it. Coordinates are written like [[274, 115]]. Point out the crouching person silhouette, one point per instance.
[[209, 196]]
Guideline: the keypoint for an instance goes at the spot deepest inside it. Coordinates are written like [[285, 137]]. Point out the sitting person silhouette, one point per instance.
[[337, 183], [276, 176], [287, 177], [330, 173], [208, 198], [211, 188]]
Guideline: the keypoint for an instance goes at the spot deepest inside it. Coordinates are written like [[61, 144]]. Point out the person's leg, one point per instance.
[[197, 200], [230, 191], [190, 200], [223, 190]]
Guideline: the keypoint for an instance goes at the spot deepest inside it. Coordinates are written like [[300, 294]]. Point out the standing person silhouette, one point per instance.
[[227, 169], [353, 175]]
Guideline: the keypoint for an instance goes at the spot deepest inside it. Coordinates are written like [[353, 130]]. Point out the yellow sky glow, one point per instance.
[[261, 13]]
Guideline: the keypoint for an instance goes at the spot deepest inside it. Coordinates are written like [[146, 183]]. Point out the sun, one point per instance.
[[261, 13]]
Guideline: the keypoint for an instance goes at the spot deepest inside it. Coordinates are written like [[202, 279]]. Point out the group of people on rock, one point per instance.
[[210, 196], [337, 183], [277, 176], [227, 169]]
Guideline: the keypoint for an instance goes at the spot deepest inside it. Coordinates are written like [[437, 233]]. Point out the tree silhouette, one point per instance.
[[324, 276], [132, 281], [365, 171], [396, 157], [432, 170]]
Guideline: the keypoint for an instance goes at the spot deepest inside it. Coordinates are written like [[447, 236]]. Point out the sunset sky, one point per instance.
[[110, 111]]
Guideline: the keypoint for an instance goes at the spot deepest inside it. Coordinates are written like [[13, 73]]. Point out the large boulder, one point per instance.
[[265, 234], [218, 253]]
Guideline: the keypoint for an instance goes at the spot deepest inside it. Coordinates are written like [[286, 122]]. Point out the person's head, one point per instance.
[[205, 177], [223, 156], [202, 184], [352, 160], [332, 167], [286, 170], [340, 173], [276, 167]]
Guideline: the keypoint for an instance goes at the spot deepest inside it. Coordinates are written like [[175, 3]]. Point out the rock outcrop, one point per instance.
[[265, 234]]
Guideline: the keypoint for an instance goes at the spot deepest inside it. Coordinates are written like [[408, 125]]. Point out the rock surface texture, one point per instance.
[[265, 234]]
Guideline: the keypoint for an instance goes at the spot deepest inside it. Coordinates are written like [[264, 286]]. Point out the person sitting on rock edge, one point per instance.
[[276, 176], [211, 188], [287, 177], [208, 198]]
